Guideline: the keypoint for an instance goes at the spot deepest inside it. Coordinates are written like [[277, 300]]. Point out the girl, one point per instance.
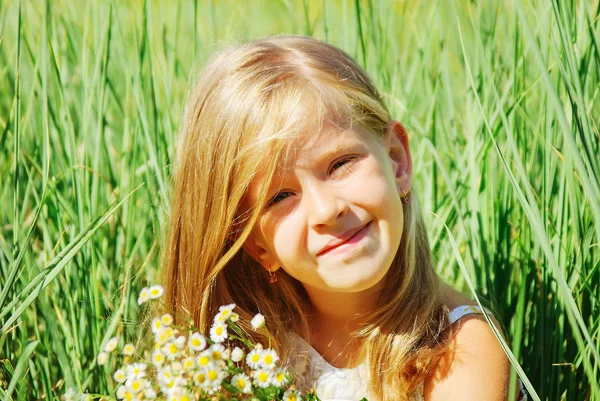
[[293, 197]]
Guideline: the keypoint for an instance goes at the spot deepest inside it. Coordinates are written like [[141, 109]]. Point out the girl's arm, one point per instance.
[[476, 369]]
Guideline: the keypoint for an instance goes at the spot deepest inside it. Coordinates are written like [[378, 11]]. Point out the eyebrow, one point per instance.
[[333, 151], [329, 153]]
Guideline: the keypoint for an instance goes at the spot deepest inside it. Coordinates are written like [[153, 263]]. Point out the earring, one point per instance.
[[405, 198], [272, 277]]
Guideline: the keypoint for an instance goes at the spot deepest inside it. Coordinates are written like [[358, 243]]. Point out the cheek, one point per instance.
[[377, 185], [287, 239]]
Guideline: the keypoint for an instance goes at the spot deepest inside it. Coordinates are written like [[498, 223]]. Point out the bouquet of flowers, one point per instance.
[[186, 366]]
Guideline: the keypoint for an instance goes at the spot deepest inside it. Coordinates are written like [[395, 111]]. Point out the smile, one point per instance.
[[342, 245]]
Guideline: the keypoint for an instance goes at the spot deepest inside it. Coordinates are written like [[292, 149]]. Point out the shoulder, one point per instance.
[[474, 368]]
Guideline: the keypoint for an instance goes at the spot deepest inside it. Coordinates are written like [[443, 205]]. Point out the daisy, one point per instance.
[[269, 358], [102, 358], [291, 395], [120, 376], [280, 378], [156, 325], [180, 394], [218, 332], [156, 291], [200, 378], [226, 310], [167, 319], [241, 382], [262, 378], [111, 345], [136, 371], [135, 385], [177, 368], [189, 363], [217, 352], [128, 349], [237, 354], [128, 395], [144, 296], [215, 376], [171, 350], [180, 342], [204, 359], [197, 342], [121, 392], [158, 358], [257, 321], [164, 335], [166, 378], [253, 358]]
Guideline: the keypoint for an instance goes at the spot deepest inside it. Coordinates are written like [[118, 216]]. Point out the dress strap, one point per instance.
[[463, 310]]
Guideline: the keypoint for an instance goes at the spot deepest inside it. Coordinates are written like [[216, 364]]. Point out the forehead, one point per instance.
[[307, 149], [309, 146]]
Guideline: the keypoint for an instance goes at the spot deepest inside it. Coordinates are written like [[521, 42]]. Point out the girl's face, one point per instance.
[[333, 218]]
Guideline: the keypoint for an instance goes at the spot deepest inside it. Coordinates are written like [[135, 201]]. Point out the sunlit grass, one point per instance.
[[502, 103]]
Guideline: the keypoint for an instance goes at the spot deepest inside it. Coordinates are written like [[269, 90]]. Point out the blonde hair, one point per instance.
[[250, 100]]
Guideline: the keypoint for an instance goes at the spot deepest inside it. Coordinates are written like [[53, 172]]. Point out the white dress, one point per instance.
[[341, 384]]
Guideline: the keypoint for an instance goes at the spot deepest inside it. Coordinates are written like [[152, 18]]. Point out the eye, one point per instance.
[[343, 162], [278, 197]]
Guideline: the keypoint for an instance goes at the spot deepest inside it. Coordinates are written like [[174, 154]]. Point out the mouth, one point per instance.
[[349, 238]]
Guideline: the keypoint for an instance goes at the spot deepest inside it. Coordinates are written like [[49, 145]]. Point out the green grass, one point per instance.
[[503, 104]]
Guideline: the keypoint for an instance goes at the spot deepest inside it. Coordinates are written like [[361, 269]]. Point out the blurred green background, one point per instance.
[[501, 100]]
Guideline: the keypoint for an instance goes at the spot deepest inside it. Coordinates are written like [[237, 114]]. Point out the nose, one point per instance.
[[324, 205]]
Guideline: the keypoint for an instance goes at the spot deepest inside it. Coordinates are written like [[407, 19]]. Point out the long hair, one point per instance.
[[249, 101]]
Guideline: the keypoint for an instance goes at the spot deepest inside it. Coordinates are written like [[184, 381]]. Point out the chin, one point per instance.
[[352, 282]]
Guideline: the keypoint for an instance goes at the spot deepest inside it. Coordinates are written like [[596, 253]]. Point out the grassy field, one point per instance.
[[502, 100]]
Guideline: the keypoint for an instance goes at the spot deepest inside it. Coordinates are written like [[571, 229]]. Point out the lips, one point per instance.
[[342, 239]]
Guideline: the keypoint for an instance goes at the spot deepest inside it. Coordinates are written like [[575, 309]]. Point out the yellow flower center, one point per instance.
[[280, 377], [241, 383], [219, 330], [268, 359], [212, 375], [263, 376], [204, 360], [196, 342], [255, 358], [216, 355], [173, 349], [292, 397]]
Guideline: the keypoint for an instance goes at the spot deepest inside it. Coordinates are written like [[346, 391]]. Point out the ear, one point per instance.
[[255, 247], [396, 140]]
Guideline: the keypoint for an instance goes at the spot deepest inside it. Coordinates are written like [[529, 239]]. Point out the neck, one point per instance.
[[334, 317]]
